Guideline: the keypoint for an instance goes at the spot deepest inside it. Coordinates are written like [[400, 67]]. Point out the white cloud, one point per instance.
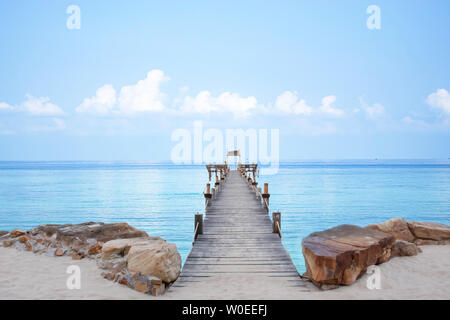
[[287, 102], [328, 109], [144, 96], [35, 106], [40, 106], [440, 100], [205, 103], [102, 103], [374, 111], [5, 106]]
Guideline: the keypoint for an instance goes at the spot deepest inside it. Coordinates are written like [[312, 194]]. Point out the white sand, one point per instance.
[[24, 275]]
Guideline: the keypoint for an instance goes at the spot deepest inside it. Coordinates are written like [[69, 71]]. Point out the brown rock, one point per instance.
[[124, 281], [79, 234], [141, 286], [398, 227], [120, 247], [109, 275], [59, 252], [28, 245], [429, 230], [96, 248], [339, 255], [158, 290], [17, 233], [77, 256], [3, 233], [155, 281], [404, 248], [8, 242], [155, 258], [24, 238]]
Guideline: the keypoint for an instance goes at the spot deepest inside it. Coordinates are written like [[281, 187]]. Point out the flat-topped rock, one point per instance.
[[79, 234], [337, 256], [398, 227], [429, 230]]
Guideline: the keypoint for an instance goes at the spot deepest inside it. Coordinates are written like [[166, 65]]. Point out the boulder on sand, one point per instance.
[[429, 230], [156, 258], [337, 256], [398, 227], [75, 235], [17, 233], [150, 256], [404, 248]]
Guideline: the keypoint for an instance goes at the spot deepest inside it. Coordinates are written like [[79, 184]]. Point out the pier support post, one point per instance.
[[217, 184], [254, 183], [276, 222], [198, 225], [207, 194], [266, 194]]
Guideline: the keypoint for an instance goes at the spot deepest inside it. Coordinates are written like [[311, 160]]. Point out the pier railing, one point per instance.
[[246, 171], [210, 194]]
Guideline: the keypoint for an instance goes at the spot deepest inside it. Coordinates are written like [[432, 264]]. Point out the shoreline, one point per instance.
[[30, 276]]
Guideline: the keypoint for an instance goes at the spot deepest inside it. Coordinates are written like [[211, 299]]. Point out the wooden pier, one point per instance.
[[237, 235]]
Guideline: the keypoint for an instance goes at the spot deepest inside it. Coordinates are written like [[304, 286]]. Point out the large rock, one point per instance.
[[77, 235], [120, 247], [339, 255], [398, 227], [429, 230], [404, 248], [156, 258], [151, 257], [17, 233]]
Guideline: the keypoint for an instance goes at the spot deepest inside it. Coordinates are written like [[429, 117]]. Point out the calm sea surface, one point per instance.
[[162, 198]]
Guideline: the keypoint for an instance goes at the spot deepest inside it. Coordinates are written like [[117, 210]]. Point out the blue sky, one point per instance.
[[135, 71]]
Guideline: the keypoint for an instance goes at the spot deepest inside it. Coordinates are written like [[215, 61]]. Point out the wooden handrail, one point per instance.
[[266, 204], [195, 232], [278, 227]]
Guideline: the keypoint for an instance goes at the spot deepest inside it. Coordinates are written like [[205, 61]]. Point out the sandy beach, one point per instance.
[[25, 275]]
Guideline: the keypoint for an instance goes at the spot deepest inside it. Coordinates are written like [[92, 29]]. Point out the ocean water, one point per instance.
[[162, 199]]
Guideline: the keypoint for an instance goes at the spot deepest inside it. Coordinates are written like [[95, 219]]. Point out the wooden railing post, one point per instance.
[[217, 184], [213, 193], [254, 183], [276, 222], [207, 195], [266, 195]]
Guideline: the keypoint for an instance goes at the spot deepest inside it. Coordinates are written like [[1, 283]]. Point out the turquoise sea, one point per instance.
[[162, 198]]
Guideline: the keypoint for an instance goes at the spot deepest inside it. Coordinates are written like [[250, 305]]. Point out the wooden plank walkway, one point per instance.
[[237, 239]]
